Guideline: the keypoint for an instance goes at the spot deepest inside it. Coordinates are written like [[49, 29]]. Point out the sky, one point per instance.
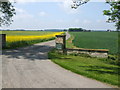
[[59, 15]]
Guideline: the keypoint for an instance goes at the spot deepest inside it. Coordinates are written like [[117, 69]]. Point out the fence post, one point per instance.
[[3, 41]]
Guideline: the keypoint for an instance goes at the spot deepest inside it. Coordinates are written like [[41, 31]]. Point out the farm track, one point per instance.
[[29, 67]]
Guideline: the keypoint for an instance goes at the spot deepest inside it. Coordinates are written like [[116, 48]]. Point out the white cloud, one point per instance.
[[101, 0], [60, 21], [65, 3], [86, 21], [77, 21], [99, 21], [19, 10], [66, 6], [23, 1], [1, 28], [42, 13], [39, 0], [22, 14], [4, 0]]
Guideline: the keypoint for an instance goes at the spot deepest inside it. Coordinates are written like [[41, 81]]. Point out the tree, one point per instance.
[[113, 13], [7, 11], [77, 3], [76, 30]]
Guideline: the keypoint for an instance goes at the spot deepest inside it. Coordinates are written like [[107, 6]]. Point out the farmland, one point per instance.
[[101, 69], [24, 33], [23, 38], [96, 40]]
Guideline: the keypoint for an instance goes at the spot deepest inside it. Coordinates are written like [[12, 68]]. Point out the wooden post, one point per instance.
[[61, 43], [3, 41], [64, 44]]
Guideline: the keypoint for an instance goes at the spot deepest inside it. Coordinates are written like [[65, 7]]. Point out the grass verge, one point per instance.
[[100, 69], [69, 43]]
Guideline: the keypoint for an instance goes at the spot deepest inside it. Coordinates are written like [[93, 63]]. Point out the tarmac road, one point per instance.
[[29, 67]]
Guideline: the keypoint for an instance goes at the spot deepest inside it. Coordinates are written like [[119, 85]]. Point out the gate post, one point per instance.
[[3, 40], [61, 43]]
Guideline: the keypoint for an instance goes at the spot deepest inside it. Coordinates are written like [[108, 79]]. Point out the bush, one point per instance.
[[112, 59]]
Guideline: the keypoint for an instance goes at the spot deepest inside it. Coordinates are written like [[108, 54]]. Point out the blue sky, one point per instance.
[[59, 15]]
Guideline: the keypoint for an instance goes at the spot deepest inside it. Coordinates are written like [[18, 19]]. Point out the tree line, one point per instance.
[[78, 30]]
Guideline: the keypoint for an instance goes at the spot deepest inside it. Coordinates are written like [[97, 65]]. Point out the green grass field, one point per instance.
[[96, 40]]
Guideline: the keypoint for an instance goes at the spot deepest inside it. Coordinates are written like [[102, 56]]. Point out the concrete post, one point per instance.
[[3, 41]]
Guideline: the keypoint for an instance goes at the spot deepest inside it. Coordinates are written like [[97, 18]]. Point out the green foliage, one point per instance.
[[77, 3], [112, 59], [97, 40], [7, 12], [99, 69], [75, 29], [80, 54], [114, 12]]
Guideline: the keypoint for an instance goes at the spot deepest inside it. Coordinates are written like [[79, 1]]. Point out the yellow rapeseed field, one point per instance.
[[26, 38]]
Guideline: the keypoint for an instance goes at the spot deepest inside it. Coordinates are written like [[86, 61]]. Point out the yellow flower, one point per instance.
[[26, 38]]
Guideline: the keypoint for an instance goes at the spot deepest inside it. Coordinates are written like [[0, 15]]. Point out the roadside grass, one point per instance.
[[100, 69], [69, 43]]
